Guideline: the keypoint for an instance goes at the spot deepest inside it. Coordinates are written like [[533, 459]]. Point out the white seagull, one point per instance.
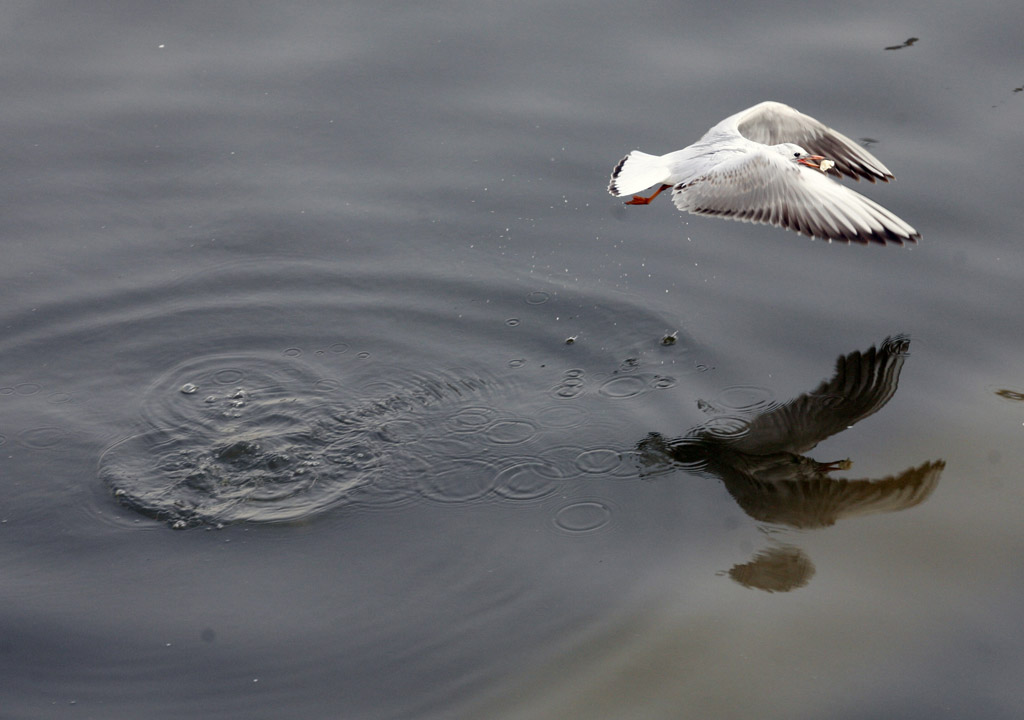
[[768, 165]]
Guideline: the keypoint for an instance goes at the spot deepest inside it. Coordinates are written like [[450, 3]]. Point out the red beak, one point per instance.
[[812, 161]]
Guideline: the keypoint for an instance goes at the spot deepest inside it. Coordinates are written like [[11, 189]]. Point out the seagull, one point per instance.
[[769, 164]]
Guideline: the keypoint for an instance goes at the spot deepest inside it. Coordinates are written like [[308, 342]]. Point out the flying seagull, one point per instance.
[[770, 164]]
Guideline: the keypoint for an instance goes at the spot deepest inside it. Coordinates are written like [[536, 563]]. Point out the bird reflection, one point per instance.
[[764, 467]]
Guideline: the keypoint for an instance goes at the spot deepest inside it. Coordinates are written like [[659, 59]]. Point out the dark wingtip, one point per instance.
[[612, 187]]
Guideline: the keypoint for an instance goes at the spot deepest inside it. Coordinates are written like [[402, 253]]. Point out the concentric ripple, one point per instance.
[[266, 439]]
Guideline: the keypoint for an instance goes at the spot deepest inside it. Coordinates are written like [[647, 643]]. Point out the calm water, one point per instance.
[[335, 385]]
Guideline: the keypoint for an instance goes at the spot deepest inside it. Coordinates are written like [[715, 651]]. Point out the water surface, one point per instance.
[[336, 385]]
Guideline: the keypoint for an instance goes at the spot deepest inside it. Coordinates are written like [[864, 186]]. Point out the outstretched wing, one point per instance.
[[772, 123], [764, 187], [862, 384]]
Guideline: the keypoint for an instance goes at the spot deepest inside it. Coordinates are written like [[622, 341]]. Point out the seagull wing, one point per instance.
[[772, 123], [862, 384], [762, 186]]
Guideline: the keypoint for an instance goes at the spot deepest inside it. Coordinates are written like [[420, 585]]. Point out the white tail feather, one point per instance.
[[637, 171]]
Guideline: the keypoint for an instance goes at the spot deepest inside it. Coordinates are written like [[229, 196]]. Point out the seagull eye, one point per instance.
[[796, 154]]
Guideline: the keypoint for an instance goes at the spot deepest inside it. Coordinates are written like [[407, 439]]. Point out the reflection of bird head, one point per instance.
[[777, 569]]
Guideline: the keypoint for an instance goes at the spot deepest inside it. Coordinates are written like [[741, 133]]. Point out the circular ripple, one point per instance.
[[459, 480], [470, 419], [537, 297], [510, 432], [562, 417], [584, 516], [727, 427], [572, 385], [528, 480], [598, 461], [624, 386], [268, 440], [745, 398], [42, 438], [228, 389]]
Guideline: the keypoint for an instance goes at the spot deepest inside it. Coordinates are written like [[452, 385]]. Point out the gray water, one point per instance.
[[335, 385]]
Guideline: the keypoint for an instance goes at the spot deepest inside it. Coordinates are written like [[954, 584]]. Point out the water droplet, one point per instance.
[[189, 388], [512, 322]]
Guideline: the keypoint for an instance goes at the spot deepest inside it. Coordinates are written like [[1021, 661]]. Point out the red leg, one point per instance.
[[641, 200]]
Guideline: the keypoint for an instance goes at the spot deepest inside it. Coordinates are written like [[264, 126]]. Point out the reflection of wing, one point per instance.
[[863, 383], [822, 501]]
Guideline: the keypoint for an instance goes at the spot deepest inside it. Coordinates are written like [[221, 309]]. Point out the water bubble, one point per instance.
[[189, 388]]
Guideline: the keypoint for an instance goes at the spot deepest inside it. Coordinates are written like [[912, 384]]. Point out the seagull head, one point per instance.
[[799, 155]]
